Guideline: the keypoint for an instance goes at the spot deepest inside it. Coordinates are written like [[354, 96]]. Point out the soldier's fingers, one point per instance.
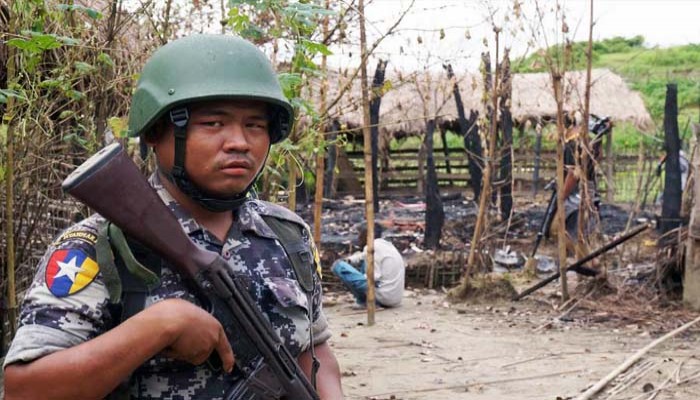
[[223, 347], [199, 358]]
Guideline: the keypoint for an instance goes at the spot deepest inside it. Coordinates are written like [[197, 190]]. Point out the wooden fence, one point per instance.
[[403, 170]]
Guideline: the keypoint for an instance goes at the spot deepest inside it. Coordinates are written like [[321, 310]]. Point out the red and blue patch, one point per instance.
[[69, 271]]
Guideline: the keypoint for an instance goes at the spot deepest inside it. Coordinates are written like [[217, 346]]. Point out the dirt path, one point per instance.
[[428, 349]]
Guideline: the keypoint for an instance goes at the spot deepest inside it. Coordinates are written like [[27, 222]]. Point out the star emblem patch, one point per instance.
[[69, 271]]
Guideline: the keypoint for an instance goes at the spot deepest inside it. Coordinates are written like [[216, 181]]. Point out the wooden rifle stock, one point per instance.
[[111, 184]]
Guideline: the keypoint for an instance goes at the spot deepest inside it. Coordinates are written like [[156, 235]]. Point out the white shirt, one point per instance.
[[389, 272]]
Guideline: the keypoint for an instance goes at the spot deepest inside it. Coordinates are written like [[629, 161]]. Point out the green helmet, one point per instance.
[[207, 67]]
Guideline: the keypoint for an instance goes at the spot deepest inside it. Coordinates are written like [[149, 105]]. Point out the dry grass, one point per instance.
[[483, 288]]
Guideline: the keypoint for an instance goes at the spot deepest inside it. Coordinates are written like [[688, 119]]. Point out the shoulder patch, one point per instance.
[[317, 258], [69, 271], [273, 210], [83, 235]]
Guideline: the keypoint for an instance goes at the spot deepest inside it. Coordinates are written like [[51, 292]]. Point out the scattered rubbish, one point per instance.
[[505, 260]]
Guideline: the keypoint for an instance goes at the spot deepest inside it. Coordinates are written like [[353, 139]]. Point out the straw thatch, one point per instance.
[[410, 100]]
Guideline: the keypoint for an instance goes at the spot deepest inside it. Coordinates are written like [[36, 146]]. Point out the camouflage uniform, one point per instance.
[[54, 317]]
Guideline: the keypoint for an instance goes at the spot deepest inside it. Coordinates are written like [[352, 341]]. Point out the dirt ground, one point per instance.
[[431, 349]]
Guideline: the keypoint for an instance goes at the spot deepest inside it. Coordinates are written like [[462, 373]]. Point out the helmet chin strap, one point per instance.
[[180, 117]]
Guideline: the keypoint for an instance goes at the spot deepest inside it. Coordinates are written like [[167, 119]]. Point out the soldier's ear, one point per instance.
[[158, 131]]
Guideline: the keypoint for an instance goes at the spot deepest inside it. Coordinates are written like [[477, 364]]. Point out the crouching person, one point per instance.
[[389, 271]]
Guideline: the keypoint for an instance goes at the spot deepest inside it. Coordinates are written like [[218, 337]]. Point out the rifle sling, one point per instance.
[[127, 279], [291, 236]]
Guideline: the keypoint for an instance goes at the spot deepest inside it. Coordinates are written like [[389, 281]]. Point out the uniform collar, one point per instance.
[[248, 216], [189, 224]]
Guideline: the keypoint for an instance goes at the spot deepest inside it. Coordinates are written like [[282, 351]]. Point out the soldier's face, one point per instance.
[[227, 144]]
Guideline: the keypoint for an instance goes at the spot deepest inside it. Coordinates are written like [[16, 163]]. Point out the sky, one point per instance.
[[466, 25]]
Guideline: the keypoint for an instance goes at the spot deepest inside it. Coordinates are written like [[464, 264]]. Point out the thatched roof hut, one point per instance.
[[610, 96], [410, 100]]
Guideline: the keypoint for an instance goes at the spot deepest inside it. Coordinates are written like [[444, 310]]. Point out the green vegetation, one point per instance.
[[646, 70]]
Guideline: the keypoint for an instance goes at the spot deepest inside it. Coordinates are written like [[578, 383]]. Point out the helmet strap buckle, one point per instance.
[[179, 117]]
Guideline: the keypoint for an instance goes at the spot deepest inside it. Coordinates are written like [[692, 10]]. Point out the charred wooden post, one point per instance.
[[470, 131], [475, 154], [374, 105], [538, 157], [420, 184], [434, 213], [491, 117], [610, 167], [671, 207], [446, 152], [506, 167]]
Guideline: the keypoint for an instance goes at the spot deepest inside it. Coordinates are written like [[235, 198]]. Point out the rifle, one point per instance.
[[111, 184], [578, 264], [547, 218]]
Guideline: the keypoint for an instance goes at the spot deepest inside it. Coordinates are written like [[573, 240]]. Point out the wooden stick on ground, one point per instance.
[[632, 377], [588, 394], [668, 380], [473, 384], [691, 378]]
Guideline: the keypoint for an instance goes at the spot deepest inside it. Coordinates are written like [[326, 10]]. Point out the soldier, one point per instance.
[[209, 106]]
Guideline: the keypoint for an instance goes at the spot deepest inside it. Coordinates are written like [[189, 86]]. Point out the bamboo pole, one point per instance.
[[691, 278], [485, 197], [292, 185], [557, 71], [369, 201], [320, 145], [584, 206], [560, 215]]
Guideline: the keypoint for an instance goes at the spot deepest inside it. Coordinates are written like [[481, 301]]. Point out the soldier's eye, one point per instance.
[[215, 124], [257, 125]]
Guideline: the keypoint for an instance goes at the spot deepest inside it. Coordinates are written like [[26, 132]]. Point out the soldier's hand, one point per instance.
[[195, 333]]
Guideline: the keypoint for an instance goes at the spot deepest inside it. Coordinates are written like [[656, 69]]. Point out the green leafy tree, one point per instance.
[[66, 74]]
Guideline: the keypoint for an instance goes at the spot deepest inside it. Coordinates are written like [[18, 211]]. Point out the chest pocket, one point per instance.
[[287, 292], [289, 313]]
